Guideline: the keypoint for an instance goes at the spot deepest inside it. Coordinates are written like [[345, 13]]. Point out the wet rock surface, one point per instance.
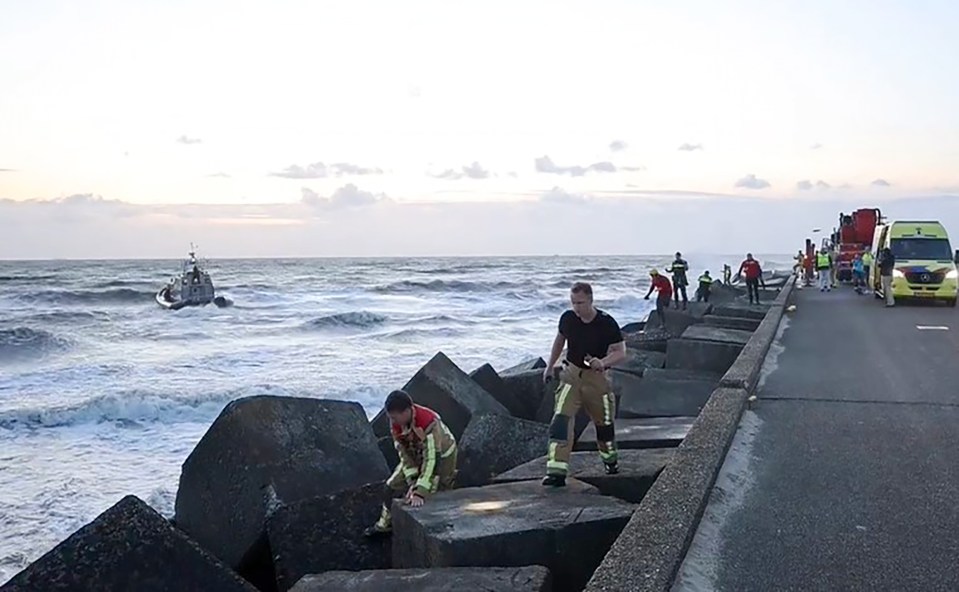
[[325, 533], [638, 360], [652, 396], [696, 354], [290, 447], [639, 433], [525, 366], [717, 334], [487, 377], [638, 470], [741, 323], [128, 547], [492, 444], [526, 388], [567, 529], [533, 578]]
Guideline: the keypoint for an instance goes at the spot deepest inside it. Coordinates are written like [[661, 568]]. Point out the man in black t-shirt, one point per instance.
[[594, 343]]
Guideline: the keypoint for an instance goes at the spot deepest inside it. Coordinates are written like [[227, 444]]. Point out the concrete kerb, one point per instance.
[[744, 372], [649, 551]]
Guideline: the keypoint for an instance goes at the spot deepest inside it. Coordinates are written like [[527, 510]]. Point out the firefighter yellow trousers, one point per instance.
[[592, 391]]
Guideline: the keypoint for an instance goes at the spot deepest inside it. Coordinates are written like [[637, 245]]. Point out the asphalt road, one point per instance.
[[855, 464]]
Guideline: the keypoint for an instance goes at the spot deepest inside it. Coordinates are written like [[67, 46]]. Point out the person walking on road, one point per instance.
[[753, 273], [824, 269], [661, 284], [887, 262], [678, 270], [858, 281], [595, 343]]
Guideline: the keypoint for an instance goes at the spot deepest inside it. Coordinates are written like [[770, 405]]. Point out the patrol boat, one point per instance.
[[193, 288]]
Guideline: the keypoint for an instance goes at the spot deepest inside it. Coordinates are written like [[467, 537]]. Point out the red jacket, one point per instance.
[[750, 269], [662, 284]]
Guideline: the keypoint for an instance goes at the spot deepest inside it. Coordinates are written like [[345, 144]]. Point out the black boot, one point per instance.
[[554, 481], [611, 468]]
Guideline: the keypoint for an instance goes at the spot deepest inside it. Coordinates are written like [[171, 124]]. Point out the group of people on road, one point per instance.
[[824, 265]]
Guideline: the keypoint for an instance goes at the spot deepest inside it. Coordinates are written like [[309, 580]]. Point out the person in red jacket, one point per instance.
[[427, 451], [753, 273], [660, 283]]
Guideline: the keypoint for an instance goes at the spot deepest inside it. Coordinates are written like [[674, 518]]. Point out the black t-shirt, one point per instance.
[[593, 338]]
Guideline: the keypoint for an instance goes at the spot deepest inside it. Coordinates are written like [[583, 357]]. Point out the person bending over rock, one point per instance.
[[705, 285], [427, 451], [595, 342], [661, 284]]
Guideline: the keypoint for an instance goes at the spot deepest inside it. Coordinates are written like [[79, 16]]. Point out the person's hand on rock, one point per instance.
[[415, 500]]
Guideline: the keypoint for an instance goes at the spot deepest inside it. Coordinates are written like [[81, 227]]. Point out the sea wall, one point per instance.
[[277, 493], [648, 553]]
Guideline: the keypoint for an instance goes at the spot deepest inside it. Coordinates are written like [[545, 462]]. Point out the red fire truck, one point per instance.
[[854, 235]]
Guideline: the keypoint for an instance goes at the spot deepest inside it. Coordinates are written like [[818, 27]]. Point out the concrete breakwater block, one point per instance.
[[741, 323], [648, 340], [639, 433], [638, 470], [566, 529], [325, 533], [633, 327], [388, 448], [527, 389], [654, 396], [532, 578], [447, 390], [524, 366], [638, 360], [128, 547], [678, 320], [290, 447], [492, 444], [717, 334], [487, 378], [742, 310], [697, 354]]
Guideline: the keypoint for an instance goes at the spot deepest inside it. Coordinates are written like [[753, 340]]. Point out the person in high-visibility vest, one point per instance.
[[705, 283], [867, 261], [824, 268]]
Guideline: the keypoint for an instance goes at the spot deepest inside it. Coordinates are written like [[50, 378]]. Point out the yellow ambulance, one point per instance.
[[925, 262]]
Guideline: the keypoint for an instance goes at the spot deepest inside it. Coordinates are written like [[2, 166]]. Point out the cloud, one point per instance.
[[188, 140], [558, 195], [545, 164], [750, 181], [219, 176], [806, 185], [8, 170], [815, 146], [319, 170], [618, 146], [881, 183], [472, 171], [55, 229], [690, 147], [347, 196]]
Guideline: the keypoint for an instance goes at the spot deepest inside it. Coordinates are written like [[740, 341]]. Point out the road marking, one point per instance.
[[932, 328]]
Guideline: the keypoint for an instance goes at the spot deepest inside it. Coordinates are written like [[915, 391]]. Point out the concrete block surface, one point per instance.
[[566, 529], [494, 443], [696, 354], [639, 433], [638, 470], [532, 578], [654, 397], [717, 334]]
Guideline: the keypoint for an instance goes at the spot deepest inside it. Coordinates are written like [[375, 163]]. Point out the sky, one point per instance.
[[294, 128]]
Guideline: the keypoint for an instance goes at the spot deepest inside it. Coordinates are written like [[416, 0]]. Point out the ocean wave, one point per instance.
[[21, 341], [127, 409], [358, 319], [421, 332], [111, 296], [457, 286]]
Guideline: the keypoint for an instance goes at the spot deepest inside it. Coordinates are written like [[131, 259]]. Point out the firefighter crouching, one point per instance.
[[427, 451]]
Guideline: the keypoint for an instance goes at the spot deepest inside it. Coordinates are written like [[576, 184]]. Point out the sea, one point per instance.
[[103, 393]]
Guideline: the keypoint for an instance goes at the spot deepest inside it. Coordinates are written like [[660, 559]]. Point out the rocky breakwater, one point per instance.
[[277, 493]]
